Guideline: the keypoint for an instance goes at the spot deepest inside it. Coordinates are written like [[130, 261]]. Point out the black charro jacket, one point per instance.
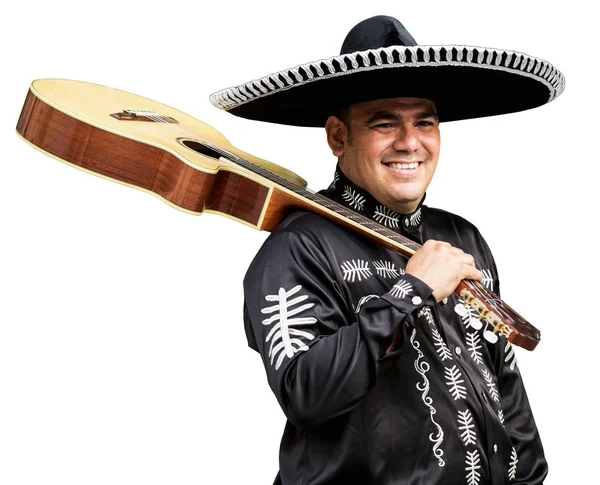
[[446, 407]]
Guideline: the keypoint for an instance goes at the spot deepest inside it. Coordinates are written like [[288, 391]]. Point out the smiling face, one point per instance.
[[388, 147]]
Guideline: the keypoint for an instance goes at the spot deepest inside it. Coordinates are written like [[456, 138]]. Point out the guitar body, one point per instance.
[[152, 147]]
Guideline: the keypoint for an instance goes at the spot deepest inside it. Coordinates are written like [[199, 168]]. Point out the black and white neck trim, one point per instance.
[[346, 192]]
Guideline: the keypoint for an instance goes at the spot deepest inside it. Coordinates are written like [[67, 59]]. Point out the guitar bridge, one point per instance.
[[143, 115]]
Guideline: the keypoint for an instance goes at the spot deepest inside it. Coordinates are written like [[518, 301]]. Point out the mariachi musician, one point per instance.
[[382, 374]]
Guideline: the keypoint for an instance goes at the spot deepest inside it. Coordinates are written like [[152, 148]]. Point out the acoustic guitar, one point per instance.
[[152, 147]]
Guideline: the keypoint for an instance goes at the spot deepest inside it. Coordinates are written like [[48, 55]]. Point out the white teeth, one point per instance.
[[404, 166]]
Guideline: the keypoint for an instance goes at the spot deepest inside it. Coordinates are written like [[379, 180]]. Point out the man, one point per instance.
[[380, 379]]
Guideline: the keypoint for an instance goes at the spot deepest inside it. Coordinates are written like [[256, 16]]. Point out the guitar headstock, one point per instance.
[[496, 315]]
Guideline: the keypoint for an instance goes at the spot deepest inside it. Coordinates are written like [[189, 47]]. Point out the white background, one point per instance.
[[123, 358]]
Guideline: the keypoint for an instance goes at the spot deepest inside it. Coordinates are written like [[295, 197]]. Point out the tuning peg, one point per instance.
[[490, 336], [475, 323], [461, 309]]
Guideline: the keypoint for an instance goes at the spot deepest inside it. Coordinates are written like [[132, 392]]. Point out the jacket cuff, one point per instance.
[[409, 293]]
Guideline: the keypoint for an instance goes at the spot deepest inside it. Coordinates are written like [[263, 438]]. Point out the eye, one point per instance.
[[384, 126], [425, 123]]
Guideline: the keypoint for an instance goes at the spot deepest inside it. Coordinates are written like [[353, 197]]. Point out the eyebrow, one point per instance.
[[384, 115]]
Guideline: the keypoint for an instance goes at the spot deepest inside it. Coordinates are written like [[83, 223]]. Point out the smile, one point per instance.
[[403, 166]]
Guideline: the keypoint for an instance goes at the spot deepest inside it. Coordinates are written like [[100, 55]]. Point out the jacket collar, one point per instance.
[[346, 192]]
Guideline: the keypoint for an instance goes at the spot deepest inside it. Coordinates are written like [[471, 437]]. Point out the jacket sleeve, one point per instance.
[[528, 464], [320, 356]]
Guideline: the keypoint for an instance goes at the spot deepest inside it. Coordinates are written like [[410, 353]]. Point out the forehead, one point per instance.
[[398, 106]]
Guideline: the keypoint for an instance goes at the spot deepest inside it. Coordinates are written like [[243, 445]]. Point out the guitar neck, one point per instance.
[[290, 195]]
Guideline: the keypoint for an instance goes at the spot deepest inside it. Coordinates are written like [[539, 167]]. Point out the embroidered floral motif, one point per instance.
[[336, 177], [401, 289], [356, 200], [474, 347], [510, 356], [364, 300], [472, 462], [288, 337], [512, 466], [426, 312], [415, 219], [466, 426], [387, 269], [470, 313], [488, 279], [356, 269], [422, 367], [501, 416], [442, 349], [386, 216], [454, 382], [489, 379]]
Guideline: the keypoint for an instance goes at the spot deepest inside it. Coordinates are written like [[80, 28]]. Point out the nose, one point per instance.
[[407, 140]]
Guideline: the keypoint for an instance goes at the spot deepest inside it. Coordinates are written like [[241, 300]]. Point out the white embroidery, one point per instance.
[[514, 63], [510, 355], [490, 383], [488, 279], [336, 177], [454, 382], [465, 421], [386, 216], [422, 367], [364, 300], [442, 349], [401, 289], [512, 469], [386, 269], [356, 269], [501, 416], [470, 313], [426, 312], [415, 218], [474, 347], [288, 346], [473, 465], [356, 200]]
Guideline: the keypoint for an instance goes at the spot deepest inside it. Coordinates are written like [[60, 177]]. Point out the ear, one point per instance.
[[337, 135]]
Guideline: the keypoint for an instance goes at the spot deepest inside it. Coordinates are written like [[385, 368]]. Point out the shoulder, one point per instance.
[[301, 235], [458, 231], [444, 219], [309, 228]]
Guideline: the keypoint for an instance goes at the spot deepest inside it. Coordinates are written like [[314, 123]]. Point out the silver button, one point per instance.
[[495, 448], [445, 300], [406, 222], [457, 350], [417, 300]]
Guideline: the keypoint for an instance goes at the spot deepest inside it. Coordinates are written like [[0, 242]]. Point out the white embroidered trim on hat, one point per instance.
[[487, 58]]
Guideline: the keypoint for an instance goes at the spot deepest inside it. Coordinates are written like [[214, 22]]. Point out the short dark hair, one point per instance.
[[343, 114]]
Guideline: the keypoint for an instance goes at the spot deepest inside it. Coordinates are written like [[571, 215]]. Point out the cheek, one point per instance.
[[432, 144]]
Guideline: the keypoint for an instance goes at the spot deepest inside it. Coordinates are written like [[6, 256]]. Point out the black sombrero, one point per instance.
[[380, 59]]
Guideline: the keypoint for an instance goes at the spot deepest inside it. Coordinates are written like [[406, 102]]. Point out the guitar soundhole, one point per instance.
[[199, 148]]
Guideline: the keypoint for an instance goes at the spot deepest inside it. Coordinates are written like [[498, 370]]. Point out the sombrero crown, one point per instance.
[[380, 59]]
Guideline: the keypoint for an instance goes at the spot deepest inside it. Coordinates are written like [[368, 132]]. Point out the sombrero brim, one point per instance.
[[464, 81]]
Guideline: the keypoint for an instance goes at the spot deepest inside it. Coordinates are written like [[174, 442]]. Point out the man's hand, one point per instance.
[[442, 267]]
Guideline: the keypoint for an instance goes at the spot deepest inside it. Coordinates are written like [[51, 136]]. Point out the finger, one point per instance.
[[436, 243], [472, 273], [467, 259]]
